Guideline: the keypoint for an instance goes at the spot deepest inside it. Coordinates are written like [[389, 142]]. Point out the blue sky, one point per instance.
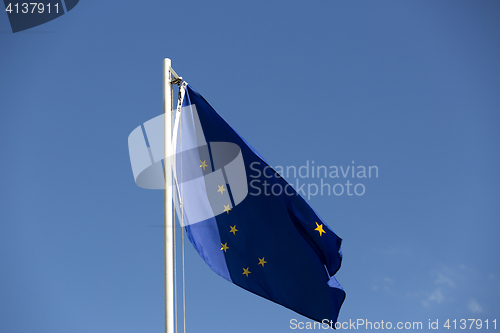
[[411, 87]]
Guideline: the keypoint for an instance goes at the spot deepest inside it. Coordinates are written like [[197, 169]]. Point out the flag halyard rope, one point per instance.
[[173, 224]]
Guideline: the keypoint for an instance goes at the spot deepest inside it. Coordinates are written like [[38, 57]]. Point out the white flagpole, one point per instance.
[[168, 212]]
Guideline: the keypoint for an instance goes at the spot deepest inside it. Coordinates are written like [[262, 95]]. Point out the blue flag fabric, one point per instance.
[[247, 223]]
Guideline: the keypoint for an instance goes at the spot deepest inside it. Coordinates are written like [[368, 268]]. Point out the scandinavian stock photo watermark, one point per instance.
[[310, 180], [25, 15], [430, 324]]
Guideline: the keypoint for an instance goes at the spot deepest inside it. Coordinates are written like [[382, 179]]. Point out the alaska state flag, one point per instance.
[[247, 223]]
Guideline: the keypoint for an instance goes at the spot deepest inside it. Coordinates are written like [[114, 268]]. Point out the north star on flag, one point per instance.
[[274, 246]]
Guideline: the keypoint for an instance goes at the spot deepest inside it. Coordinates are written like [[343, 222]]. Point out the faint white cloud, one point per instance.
[[460, 287], [434, 297], [445, 280], [387, 280], [444, 284], [474, 306], [385, 284]]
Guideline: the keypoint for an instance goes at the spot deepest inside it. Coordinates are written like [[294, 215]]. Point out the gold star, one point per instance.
[[262, 261], [319, 228], [221, 189], [227, 209], [233, 229], [224, 247], [246, 271], [203, 164]]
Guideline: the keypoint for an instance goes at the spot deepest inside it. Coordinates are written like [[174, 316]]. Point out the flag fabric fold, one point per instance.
[[248, 224]]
